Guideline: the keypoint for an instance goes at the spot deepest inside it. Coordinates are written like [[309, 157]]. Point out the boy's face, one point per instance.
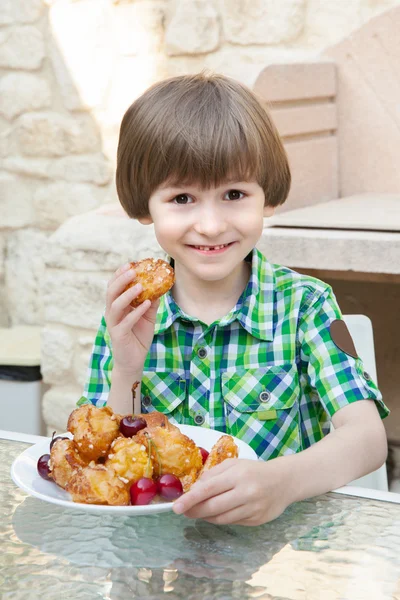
[[191, 225]]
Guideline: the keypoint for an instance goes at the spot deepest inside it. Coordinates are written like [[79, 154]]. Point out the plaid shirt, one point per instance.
[[268, 372]]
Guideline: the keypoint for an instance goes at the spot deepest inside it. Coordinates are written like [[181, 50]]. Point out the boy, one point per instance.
[[240, 345]]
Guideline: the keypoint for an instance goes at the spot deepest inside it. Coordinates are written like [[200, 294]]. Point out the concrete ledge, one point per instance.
[[336, 250]]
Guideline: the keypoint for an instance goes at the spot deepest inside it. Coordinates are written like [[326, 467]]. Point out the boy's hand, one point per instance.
[[131, 330], [237, 491]]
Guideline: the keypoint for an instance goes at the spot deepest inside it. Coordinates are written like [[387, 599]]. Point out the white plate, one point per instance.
[[25, 475]]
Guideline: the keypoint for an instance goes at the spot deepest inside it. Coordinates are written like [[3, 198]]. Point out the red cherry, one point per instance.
[[204, 454], [43, 466], [129, 426], [143, 491], [169, 486]]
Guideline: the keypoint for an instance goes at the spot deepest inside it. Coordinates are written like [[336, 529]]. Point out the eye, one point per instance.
[[182, 199], [234, 195]]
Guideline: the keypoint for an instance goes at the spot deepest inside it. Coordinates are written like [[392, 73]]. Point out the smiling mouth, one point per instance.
[[212, 247]]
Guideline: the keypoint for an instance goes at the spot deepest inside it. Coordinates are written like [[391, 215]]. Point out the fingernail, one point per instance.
[[126, 266], [178, 508]]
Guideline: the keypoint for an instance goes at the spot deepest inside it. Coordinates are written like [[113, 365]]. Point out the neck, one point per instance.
[[209, 300]]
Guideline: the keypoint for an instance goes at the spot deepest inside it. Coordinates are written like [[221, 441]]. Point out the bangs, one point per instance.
[[212, 149]]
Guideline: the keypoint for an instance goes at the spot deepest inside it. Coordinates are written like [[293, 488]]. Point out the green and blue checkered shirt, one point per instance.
[[268, 372]]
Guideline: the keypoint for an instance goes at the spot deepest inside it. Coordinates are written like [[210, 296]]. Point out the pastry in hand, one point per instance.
[[156, 277]]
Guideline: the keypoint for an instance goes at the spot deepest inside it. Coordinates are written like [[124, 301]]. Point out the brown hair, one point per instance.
[[198, 129]]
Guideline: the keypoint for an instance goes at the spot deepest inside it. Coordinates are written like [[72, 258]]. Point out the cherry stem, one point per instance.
[[133, 389], [147, 472]]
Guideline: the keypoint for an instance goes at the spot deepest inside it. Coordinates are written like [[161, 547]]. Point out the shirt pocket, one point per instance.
[[262, 408], [163, 392]]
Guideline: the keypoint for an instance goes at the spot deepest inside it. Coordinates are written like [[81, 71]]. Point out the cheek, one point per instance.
[[166, 229]]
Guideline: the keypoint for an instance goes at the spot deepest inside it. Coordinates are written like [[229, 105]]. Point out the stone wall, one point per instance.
[[68, 71]]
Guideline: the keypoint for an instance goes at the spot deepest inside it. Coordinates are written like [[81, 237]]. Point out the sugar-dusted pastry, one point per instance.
[[93, 429], [98, 485], [156, 277]]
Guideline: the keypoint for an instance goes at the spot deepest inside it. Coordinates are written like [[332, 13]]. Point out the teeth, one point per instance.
[[207, 248]]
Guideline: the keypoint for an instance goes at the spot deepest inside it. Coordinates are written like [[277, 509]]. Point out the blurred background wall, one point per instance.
[[68, 71]]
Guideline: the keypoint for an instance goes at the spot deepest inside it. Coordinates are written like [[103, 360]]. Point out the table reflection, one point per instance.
[[332, 547]]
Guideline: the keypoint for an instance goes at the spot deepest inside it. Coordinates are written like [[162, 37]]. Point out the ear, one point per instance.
[[145, 220], [269, 211]]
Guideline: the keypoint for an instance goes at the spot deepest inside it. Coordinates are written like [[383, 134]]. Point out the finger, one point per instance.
[[118, 285], [123, 301], [227, 464], [122, 269], [128, 322], [215, 506], [236, 516], [200, 492]]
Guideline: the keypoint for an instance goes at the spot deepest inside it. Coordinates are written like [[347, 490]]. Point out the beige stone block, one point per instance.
[[332, 249], [4, 320], [262, 21], [139, 27], [74, 298], [57, 346], [305, 119], [314, 168], [193, 28], [15, 202], [374, 212], [101, 240], [37, 168], [51, 134], [82, 357], [24, 276], [93, 168], [8, 143], [328, 22], [297, 81], [20, 11], [58, 403], [369, 117], [56, 202], [83, 52], [21, 48], [22, 92], [3, 241]]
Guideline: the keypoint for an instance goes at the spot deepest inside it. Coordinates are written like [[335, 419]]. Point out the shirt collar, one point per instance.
[[254, 309]]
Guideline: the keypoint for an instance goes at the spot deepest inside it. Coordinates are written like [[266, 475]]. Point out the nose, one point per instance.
[[210, 221]]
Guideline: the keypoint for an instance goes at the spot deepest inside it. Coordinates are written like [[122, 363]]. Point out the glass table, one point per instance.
[[334, 547]]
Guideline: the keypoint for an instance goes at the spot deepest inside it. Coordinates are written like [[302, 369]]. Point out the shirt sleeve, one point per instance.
[[337, 377], [98, 381]]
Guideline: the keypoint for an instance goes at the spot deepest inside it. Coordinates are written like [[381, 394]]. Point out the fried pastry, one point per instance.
[[172, 452], [129, 459], [65, 461], [224, 448], [98, 485], [93, 429], [156, 277]]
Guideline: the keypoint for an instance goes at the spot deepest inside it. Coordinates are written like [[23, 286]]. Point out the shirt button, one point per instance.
[[201, 352], [367, 376], [146, 401], [264, 396], [199, 419]]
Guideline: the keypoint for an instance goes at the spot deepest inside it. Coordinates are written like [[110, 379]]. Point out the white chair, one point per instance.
[[360, 328]]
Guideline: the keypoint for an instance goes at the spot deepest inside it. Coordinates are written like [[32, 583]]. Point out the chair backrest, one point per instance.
[[360, 328]]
